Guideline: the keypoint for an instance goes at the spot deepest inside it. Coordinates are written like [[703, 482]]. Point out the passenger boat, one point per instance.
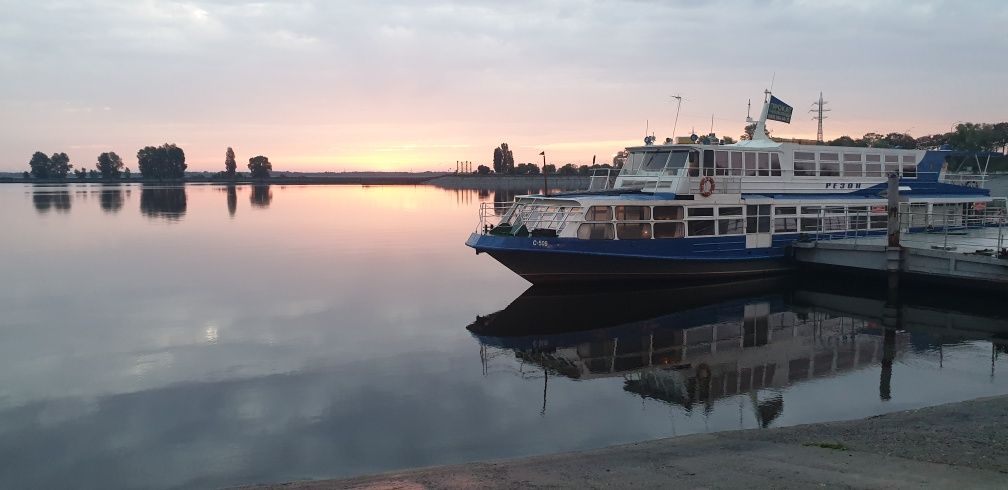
[[696, 209]]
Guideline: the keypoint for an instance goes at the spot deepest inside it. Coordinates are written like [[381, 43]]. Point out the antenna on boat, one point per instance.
[[679, 100]]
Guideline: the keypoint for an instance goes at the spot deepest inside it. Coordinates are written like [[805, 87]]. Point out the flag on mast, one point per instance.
[[779, 111]]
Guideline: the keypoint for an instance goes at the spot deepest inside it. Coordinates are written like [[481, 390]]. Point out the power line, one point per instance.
[[819, 107]]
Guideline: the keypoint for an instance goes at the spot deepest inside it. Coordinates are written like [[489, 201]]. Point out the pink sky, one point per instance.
[[400, 85]]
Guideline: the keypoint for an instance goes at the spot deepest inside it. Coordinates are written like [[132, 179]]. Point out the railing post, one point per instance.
[[892, 193]]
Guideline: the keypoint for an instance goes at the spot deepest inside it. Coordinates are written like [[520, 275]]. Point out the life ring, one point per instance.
[[707, 186]]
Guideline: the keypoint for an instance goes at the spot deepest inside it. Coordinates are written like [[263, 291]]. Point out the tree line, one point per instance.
[[503, 163], [965, 136], [154, 162]]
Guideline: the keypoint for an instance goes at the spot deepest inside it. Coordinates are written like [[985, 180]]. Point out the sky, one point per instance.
[[320, 85]]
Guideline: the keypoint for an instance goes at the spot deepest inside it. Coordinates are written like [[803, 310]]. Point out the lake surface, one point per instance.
[[159, 337]]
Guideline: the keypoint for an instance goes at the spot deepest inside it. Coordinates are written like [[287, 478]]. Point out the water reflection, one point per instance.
[[261, 196], [46, 198], [232, 199], [111, 199], [693, 346], [163, 202]]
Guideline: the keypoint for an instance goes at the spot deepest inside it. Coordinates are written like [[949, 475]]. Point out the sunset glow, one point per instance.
[[333, 86]]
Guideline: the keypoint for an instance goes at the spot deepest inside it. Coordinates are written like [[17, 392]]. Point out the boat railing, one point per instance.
[[981, 231], [531, 217], [602, 179], [968, 180]]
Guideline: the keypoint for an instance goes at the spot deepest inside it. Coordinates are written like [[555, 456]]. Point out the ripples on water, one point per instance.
[[220, 335]]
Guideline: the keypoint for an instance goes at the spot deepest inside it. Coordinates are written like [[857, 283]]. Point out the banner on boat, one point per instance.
[[779, 111]]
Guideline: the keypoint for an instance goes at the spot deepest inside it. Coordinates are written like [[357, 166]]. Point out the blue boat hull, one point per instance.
[[565, 260]]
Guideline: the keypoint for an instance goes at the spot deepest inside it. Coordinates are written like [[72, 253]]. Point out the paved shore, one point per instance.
[[962, 445]]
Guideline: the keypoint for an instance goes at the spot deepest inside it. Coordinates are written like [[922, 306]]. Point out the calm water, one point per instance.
[[206, 336]]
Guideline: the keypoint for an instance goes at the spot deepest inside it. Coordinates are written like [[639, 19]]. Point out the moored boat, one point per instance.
[[703, 210]]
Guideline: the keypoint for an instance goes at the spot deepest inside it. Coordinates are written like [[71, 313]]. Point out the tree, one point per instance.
[[230, 165], [498, 161], [60, 165], [728, 140], [162, 162], [483, 169], [25, 175], [110, 165], [843, 141], [750, 129], [549, 168], [40, 165], [260, 167], [503, 162], [126, 173], [568, 169]]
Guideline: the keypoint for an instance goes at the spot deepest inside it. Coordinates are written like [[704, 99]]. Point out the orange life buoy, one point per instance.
[[707, 186]]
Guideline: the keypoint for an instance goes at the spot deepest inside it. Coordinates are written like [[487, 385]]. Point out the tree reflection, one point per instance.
[[111, 200], [232, 199], [46, 199], [261, 196], [163, 202]]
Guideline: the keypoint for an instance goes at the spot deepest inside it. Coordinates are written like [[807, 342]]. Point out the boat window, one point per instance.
[[810, 209], [708, 162], [775, 168], [804, 169], [750, 163], [700, 227], [655, 161], [829, 157], [858, 222], [700, 212], [829, 169], [721, 164], [857, 209], [877, 221], [873, 169], [694, 164], [633, 213], [633, 231], [758, 218], [785, 225], [596, 231], [678, 159], [852, 157], [809, 224], [873, 158], [730, 211], [736, 163], [599, 213], [852, 168], [664, 213], [835, 210], [634, 162], [804, 155], [669, 230], [891, 164], [785, 210], [763, 164], [730, 226], [909, 166]]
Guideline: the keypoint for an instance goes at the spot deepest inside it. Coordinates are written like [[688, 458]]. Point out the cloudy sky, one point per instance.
[[408, 84]]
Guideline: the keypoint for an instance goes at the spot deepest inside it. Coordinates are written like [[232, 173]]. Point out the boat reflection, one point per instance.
[[691, 346]]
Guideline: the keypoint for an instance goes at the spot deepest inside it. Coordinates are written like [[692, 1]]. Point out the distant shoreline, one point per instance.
[[443, 180]]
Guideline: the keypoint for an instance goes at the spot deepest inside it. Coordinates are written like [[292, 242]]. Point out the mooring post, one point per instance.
[[893, 250]]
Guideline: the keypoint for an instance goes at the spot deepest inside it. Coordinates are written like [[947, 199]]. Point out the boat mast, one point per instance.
[[759, 133]]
